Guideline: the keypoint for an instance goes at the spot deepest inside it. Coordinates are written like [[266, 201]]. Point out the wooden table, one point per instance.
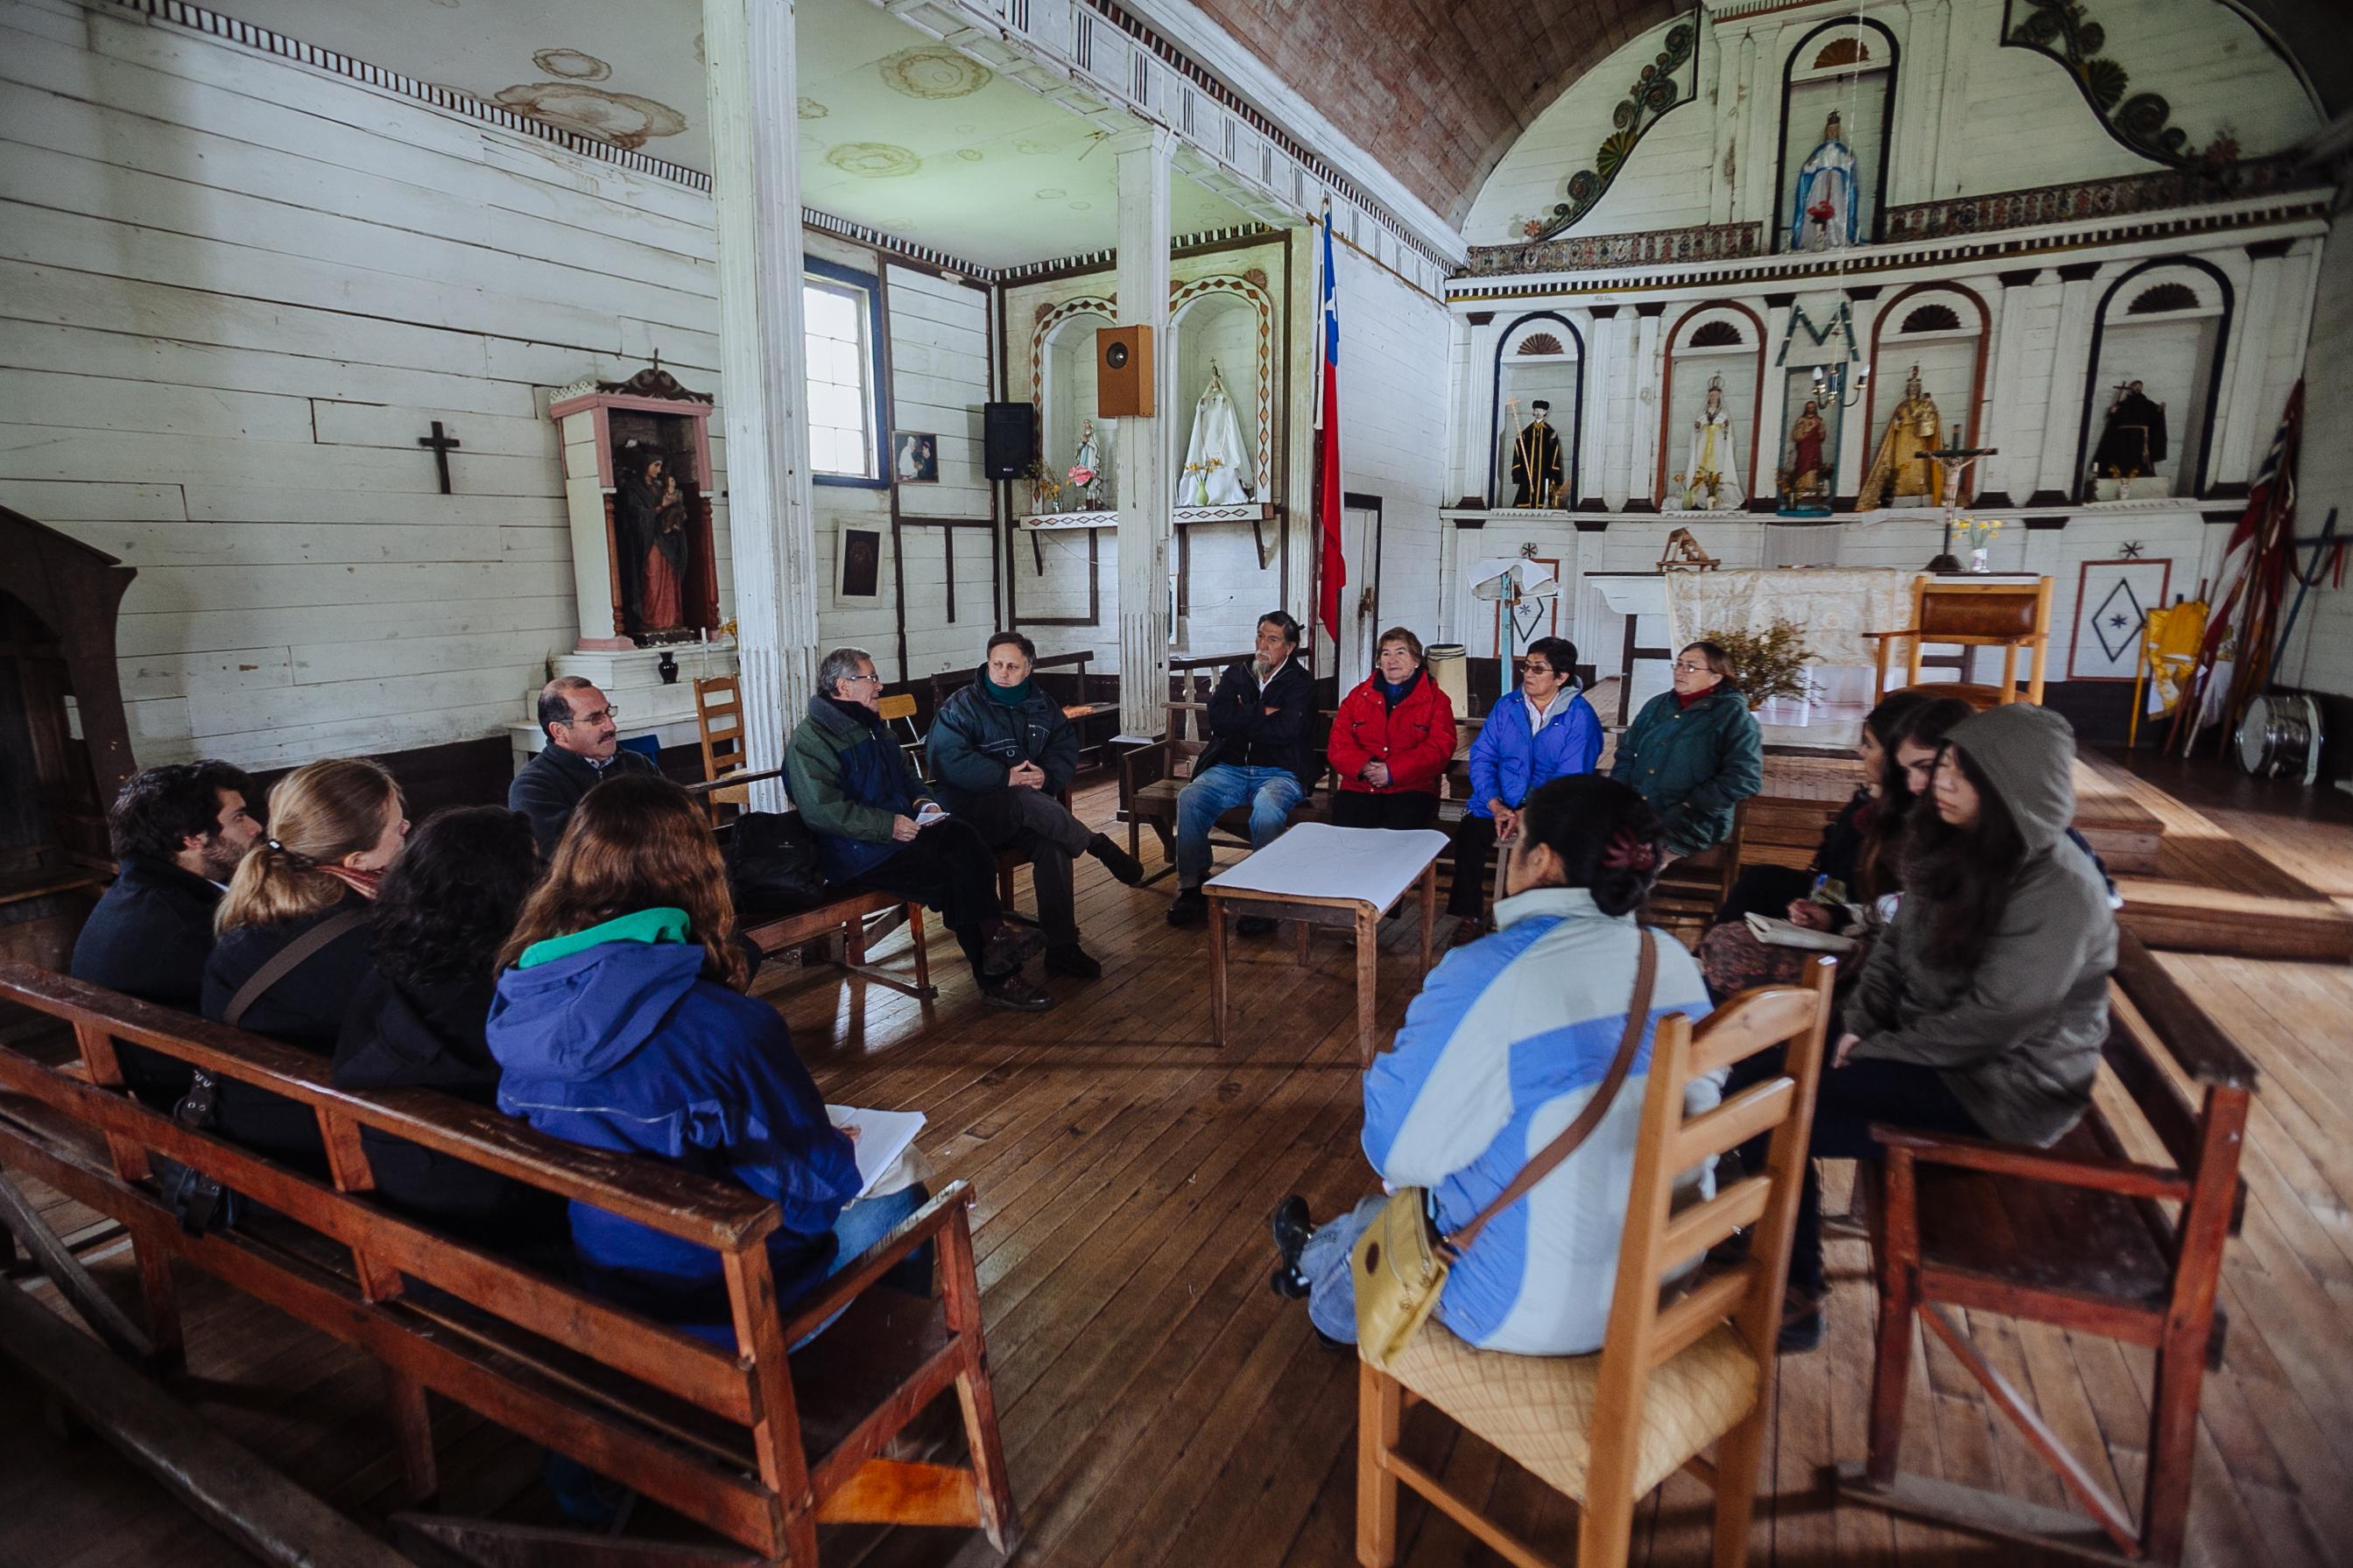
[[1320, 874]]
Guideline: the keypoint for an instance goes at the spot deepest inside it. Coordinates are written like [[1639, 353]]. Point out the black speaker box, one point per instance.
[[1009, 439]]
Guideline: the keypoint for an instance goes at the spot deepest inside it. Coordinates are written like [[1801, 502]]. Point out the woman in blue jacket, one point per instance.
[[1544, 730], [621, 1023]]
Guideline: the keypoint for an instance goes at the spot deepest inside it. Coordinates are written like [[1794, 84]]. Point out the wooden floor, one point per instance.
[[1161, 1407]]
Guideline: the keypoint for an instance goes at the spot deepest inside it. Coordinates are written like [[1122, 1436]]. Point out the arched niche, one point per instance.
[[2165, 324], [1942, 328], [1063, 381], [1227, 320], [1845, 66], [1717, 340], [1539, 358]]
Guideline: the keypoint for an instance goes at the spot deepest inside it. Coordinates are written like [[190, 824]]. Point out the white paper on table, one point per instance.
[[883, 1137], [1317, 860]]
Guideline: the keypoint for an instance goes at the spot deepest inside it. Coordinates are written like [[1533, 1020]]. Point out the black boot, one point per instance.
[[1291, 1228], [1124, 867]]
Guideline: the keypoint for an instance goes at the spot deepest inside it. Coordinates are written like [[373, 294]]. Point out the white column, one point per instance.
[[1642, 487], [1919, 103], [1857, 439], [1593, 444], [755, 195], [2241, 416], [1146, 492], [2071, 363], [1773, 416]]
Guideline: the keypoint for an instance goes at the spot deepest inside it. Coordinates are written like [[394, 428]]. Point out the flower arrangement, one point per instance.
[[1045, 490], [1766, 664], [1202, 470], [1981, 532], [1086, 481]]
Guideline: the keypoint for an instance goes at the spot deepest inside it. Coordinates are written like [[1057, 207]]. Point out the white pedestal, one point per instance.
[[631, 681]]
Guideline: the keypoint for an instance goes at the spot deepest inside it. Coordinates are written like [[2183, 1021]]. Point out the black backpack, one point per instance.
[[772, 864]]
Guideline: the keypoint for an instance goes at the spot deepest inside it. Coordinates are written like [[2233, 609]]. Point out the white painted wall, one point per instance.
[[2320, 658]]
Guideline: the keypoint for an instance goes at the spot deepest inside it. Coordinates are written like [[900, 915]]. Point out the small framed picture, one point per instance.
[[858, 566], [914, 457]]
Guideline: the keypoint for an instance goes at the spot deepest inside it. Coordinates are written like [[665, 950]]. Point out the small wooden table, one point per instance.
[[1317, 874]]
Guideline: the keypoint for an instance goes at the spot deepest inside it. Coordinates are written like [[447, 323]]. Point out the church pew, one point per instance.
[[755, 1443], [2117, 1230]]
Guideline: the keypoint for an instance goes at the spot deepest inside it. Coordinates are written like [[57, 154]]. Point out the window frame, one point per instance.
[[871, 287]]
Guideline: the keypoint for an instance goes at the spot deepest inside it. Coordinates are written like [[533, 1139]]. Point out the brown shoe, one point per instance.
[[1466, 932]]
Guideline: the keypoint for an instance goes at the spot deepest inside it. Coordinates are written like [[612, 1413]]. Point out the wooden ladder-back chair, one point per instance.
[[899, 709], [1687, 1361], [2007, 615], [719, 720]]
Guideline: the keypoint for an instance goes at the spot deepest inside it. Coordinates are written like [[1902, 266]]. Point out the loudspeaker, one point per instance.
[[1123, 380], [1009, 439]]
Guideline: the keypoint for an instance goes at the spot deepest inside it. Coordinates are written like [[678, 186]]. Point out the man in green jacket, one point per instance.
[[1002, 753]]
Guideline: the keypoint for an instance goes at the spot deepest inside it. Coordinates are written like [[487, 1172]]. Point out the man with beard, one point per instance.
[[179, 832]]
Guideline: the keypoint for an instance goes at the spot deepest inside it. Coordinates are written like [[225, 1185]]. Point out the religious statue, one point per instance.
[[1711, 476], [1215, 460], [2132, 443], [650, 528], [1539, 469], [1824, 217], [1803, 482], [1086, 469], [1897, 468]]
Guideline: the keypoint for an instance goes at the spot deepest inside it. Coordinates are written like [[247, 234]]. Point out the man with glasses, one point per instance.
[[1543, 730], [583, 750]]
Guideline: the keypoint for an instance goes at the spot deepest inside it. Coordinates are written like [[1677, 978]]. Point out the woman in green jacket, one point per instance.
[[1694, 752]]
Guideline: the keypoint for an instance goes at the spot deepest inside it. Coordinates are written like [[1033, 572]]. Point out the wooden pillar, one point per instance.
[[2057, 478], [1146, 492], [756, 193], [1642, 486]]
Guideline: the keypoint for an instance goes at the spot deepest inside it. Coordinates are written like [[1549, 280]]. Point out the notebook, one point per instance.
[[883, 1137], [1787, 933]]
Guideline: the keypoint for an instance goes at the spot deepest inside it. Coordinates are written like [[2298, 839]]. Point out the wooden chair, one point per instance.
[[1152, 776], [2007, 615], [719, 723], [1691, 890], [2083, 1235], [899, 709], [1683, 1366]]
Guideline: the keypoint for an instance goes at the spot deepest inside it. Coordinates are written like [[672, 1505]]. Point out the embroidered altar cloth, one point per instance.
[[1833, 605]]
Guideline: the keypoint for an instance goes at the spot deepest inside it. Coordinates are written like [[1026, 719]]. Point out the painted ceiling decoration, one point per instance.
[[933, 71], [1658, 89], [624, 119], [2063, 31]]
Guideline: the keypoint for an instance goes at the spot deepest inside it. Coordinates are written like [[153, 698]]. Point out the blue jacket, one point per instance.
[[848, 779], [1507, 761], [612, 1038], [1507, 1041]]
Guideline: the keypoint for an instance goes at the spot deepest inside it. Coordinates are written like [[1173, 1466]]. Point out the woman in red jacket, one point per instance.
[[1391, 741]]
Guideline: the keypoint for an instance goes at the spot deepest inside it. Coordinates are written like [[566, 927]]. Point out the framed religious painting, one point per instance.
[[857, 567], [914, 457], [2113, 599]]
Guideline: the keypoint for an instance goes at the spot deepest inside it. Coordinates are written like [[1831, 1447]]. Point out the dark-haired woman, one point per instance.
[[1982, 1008], [1851, 868], [1696, 752], [416, 1020], [1511, 1034], [336, 826], [1391, 741], [620, 1023]]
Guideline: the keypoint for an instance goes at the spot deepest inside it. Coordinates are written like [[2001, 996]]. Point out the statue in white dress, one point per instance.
[[1711, 476], [1216, 465]]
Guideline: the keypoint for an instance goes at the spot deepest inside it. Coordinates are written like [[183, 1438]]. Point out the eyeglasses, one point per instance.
[[598, 717], [1683, 669], [1532, 667], [875, 678]]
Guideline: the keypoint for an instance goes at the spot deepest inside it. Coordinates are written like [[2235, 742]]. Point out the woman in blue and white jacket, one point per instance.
[[1508, 1040]]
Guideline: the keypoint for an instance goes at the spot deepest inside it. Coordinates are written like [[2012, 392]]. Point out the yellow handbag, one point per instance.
[[1402, 1261]]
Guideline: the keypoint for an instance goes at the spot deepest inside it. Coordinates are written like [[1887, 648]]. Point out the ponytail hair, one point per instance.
[[1604, 835], [317, 813]]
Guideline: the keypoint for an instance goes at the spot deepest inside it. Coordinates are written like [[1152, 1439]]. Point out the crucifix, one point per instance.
[[442, 446], [1957, 459]]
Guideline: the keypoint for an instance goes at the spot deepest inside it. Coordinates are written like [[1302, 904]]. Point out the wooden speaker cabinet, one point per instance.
[[1123, 379]]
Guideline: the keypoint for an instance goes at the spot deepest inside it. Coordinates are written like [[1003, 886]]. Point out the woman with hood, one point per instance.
[[417, 1017], [1391, 741], [621, 1023], [1983, 1009], [1696, 752]]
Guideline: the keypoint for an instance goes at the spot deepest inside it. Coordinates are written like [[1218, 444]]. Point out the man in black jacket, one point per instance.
[[1260, 753], [178, 832], [583, 750]]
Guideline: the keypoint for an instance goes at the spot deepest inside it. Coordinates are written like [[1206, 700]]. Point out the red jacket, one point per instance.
[[1416, 739]]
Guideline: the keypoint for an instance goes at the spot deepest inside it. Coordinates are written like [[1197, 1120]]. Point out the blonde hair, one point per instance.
[[317, 813]]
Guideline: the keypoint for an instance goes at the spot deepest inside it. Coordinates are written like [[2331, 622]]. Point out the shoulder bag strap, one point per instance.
[[289, 958], [1548, 1158]]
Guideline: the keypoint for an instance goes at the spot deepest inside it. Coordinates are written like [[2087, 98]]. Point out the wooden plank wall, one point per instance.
[[233, 293]]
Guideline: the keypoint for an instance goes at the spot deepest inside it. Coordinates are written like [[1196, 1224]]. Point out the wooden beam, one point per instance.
[[109, 1321], [228, 1486]]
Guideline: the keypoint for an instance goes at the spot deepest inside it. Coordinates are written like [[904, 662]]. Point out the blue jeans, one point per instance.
[[1325, 1259], [1271, 792], [865, 1221]]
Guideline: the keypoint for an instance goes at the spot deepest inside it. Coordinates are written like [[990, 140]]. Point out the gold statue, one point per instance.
[[1897, 471]]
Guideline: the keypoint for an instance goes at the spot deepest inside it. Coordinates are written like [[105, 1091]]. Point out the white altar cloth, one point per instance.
[[1316, 860], [1833, 605]]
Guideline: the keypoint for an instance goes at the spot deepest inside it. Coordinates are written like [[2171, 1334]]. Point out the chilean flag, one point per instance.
[[1334, 573]]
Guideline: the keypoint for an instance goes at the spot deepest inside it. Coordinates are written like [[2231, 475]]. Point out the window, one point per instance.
[[840, 330]]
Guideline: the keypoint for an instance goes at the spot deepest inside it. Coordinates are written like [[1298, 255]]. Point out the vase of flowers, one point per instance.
[[1981, 533], [1045, 490]]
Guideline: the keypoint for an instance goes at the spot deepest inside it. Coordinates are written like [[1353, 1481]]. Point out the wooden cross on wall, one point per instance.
[[442, 446]]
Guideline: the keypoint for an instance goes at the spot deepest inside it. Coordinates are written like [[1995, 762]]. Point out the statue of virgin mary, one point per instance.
[[1216, 466], [1711, 476], [1825, 216]]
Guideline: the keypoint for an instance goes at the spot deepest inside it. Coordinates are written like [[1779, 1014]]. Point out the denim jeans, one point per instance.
[[865, 1221], [1271, 792], [1325, 1259]]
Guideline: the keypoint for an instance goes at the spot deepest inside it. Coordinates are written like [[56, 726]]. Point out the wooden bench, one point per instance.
[[756, 1443], [1152, 776], [2086, 1235]]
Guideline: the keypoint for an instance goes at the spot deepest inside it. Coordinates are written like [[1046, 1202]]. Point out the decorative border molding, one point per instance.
[[890, 244], [1656, 92], [1108, 257], [2163, 190], [1262, 304], [2143, 124], [1704, 242]]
